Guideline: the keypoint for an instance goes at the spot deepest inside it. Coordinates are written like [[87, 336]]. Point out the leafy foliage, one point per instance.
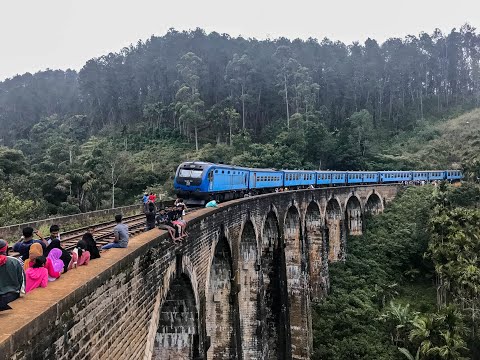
[[348, 324]]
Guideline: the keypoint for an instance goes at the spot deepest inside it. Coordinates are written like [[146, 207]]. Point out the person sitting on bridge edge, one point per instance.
[[120, 231], [80, 255], [36, 251], [54, 234], [66, 257], [23, 246], [164, 223], [37, 275], [91, 244], [11, 277], [181, 203], [55, 257], [211, 203]]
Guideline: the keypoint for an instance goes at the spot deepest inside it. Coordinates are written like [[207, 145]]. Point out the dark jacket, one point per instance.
[[91, 245]]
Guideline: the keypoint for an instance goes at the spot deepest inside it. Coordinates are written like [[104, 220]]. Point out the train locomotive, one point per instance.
[[198, 182]]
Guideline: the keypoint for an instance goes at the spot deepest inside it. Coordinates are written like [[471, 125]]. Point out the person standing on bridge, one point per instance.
[[120, 231], [150, 214], [11, 277], [145, 201]]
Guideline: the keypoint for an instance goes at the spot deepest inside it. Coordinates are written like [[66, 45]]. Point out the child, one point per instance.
[[80, 255], [37, 275]]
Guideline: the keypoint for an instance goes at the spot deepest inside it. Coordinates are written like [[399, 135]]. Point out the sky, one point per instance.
[[62, 34]]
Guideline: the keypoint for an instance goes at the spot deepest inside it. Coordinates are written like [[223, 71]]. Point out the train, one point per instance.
[[198, 182]]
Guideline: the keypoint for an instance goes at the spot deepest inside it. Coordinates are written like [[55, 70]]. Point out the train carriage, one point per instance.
[[370, 177], [453, 175], [420, 175], [436, 175], [395, 176], [324, 178], [339, 177], [261, 179], [298, 178], [354, 177]]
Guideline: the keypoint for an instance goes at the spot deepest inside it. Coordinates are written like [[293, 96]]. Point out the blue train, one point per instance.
[[198, 182]]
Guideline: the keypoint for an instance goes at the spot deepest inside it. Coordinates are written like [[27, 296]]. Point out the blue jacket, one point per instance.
[[23, 247]]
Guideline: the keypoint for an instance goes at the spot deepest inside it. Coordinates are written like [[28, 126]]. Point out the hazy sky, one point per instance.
[[36, 34]]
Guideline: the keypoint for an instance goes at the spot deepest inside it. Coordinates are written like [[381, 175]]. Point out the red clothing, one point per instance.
[[84, 259], [49, 266], [152, 198], [36, 277]]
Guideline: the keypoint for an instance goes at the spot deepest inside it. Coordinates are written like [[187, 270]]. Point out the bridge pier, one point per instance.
[[273, 312], [298, 297], [220, 301], [317, 253]]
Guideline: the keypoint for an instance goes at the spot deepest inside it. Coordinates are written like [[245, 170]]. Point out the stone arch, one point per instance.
[[353, 216], [374, 204], [220, 311], [317, 254], [248, 295], [177, 333], [296, 264], [334, 230], [273, 293]]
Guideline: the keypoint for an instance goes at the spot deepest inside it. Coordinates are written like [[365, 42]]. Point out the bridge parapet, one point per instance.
[[240, 286]]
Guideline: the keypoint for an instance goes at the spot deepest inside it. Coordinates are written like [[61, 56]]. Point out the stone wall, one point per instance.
[[240, 287]]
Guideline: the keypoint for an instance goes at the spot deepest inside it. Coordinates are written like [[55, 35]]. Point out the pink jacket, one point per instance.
[[85, 258], [36, 277]]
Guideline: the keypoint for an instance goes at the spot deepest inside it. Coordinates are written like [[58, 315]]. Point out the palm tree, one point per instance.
[[452, 349], [398, 317], [409, 355]]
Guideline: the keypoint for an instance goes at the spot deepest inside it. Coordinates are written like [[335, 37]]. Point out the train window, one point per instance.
[[228, 172], [216, 171], [223, 172]]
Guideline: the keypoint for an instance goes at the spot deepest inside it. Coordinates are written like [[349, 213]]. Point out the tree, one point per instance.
[[286, 67], [239, 73], [189, 104]]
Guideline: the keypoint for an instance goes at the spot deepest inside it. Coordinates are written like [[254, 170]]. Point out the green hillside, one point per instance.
[[453, 143]]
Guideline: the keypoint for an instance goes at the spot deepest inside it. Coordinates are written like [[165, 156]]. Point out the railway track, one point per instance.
[[102, 232]]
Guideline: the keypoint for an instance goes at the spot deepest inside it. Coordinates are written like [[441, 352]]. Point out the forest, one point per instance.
[[75, 142]]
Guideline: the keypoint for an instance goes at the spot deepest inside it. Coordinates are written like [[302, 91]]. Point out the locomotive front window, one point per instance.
[[185, 173]]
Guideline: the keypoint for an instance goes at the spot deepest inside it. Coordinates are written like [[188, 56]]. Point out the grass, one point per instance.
[[421, 295], [445, 144]]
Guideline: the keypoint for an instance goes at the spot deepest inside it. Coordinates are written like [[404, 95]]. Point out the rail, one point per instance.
[[103, 232]]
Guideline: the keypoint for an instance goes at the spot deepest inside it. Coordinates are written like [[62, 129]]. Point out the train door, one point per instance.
[[210, 180], [254, 180]]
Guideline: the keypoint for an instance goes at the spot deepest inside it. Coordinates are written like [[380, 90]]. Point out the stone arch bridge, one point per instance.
[[240, 286]]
